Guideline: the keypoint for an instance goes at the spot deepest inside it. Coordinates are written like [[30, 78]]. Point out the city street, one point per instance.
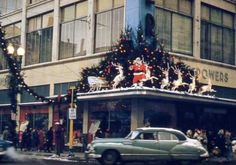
[[28, 160]]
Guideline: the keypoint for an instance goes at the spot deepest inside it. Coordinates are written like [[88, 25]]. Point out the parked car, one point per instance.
[[4, 145], [147, 144]]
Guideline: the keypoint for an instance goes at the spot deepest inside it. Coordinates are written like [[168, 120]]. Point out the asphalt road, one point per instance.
[[30, 161]]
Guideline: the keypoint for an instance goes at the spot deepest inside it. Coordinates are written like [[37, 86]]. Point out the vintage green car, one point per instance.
[[147, 144]]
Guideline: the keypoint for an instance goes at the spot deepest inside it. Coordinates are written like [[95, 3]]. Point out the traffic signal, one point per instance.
[[72, 96]]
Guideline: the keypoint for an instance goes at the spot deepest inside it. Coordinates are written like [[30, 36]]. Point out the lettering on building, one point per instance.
[[215, 75]]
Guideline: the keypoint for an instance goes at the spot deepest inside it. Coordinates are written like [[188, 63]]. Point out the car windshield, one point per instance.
[[132, 135]]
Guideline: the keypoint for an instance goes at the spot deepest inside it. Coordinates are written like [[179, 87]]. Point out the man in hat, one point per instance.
[[139, 69]]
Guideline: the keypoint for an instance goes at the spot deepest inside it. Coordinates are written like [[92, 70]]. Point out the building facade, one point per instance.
[[62, 37]]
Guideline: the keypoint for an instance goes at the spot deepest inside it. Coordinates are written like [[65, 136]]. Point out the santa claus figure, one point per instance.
[[139, 69]]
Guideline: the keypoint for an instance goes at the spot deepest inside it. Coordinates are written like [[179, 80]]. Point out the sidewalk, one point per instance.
[[77, 156]]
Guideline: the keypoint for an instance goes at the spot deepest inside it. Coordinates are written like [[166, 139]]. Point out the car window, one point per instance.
[[145, 136], [166, 136], [132, 135]]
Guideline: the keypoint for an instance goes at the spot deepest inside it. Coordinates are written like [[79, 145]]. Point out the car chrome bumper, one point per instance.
[[91, 155], [205, 155], [2, 152]]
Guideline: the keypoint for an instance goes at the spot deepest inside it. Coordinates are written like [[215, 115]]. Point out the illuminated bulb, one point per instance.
[[10, 49]]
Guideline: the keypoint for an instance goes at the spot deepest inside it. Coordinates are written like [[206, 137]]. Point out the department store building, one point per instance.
[[61, 37]]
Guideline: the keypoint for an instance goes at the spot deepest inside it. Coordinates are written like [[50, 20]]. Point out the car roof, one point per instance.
[[159, 129]]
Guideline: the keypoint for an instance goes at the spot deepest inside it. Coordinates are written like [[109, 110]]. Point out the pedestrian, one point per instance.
[[99, 133], [189, 133], [220, 142], [6, 133], [27, 139], [41, 136], [49, 140], [228, 145], [34, 140], [59, 139]]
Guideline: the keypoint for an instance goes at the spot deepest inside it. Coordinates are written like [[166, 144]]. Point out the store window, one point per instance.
[[109, 23], [12, 35], [5, 118], [158, 114], [73, 30], [7, 6], [38, 120], [40, 90], [217, 35], [174, 25], [39, 39], [112, 117]]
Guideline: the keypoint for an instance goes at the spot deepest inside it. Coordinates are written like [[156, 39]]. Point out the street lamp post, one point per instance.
[[16, 59]]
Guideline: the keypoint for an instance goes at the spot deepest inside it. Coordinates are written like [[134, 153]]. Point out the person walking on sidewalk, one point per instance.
[[59, 139], [49, 140]]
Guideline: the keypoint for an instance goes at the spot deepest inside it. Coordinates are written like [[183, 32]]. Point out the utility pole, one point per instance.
[[72, 116]]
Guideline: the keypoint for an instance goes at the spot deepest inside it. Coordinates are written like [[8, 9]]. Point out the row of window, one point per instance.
[[7, 6], [174, 27]]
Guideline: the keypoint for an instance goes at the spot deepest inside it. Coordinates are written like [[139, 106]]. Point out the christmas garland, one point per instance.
[[16, 80]]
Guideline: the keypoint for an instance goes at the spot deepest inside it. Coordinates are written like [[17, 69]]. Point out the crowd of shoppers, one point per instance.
[[217, 143], [36, 140]]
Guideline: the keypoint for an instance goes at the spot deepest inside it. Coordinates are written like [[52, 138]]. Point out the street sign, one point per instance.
[[72, 113]]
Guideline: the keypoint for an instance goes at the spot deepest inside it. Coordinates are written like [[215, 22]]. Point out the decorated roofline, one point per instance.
[[146, 92], [135, 62]]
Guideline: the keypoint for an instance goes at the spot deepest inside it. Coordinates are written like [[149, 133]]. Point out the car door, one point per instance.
[[146, 146], [167, 141]]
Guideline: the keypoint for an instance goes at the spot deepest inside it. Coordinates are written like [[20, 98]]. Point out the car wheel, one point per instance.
[[110, 157]]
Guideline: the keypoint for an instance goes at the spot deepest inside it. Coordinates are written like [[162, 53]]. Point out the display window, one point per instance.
[[109, 118]]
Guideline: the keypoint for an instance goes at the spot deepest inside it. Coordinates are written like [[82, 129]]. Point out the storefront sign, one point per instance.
[[219, 75], [72, 113]]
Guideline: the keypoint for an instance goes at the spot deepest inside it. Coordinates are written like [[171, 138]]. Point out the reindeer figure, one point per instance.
[[165, 81], [118, 77], [148, 74], [192, 86], [179, 82], [206, 88]]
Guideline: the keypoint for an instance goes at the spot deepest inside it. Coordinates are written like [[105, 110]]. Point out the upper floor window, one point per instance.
[[62, 88], [174, 25], [39, 39], [217, 35], [12, 35], [42, 90], [73, 30], [7, 6], [4, 96], [33, 1], [109, 23]]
